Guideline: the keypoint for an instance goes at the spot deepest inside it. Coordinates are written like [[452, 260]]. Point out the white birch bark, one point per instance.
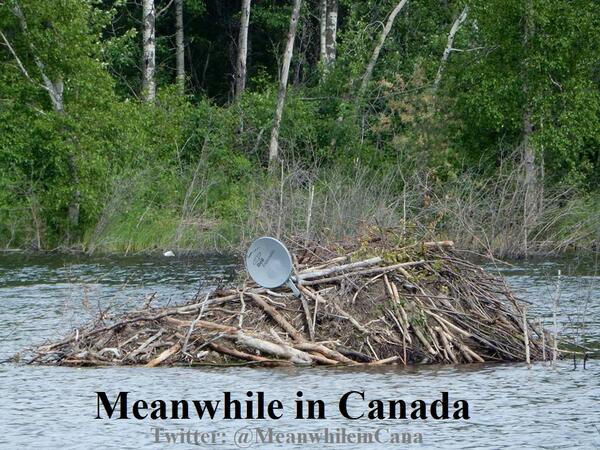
[[331, 31], [179, 45], [323, 32], [455, 26], [240, 76], [149, 51], [382, 37], [17, 59], [54, 88], [283, 80]]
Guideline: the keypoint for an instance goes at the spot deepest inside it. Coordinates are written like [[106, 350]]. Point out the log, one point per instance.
[[164, 355], [361, 272], [389, 360], [336, 269], [439, 244], [279, 350], [236, 353], [329, 353]]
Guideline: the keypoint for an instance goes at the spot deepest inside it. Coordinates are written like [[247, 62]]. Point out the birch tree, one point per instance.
[[328, 15], [449, 46], [149, 51], [530, 205], [328, 18], [179, 46], [240, 76], [323, 32], [283, 81], [54, 88], [377, 50], [331, 31]]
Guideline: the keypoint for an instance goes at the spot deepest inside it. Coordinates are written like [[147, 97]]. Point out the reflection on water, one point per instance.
[[49, 407]]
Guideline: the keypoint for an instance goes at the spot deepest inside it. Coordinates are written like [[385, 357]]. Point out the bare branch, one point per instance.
[[382, 37], [455, 26], [162, 11], [12, 51], [55, 90]]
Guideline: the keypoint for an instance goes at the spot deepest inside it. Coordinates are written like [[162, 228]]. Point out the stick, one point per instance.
[[309, 322], [283, 351], [352, 320], [543, 339], [391, 359], [144, 345], [447, 345], [326, 264], [421, 337], [439, 244], [342, 268], [164, 355], [236, 353], [332, 354], [311, 197], [193, 325], [281, 321], [554, 312], [242, 310], [469, 354], [526, 336], [362, 272]]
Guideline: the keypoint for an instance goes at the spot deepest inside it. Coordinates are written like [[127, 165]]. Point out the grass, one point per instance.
[[336, 204]]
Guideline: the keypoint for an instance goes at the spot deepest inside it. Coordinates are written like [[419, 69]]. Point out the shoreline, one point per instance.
[[593, 248]]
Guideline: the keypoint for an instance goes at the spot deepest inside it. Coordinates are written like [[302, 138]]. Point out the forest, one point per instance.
[[145, 125]]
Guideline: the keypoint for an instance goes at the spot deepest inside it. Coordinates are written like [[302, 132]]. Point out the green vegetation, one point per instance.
[[496, 145]]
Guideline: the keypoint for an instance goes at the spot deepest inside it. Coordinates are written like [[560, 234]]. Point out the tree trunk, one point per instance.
[[240, 76], [180, 48], [382, 37], [149, 51], [455, 26], [530, 179], [323, 32], [301, 58], [530, 203], [331, 31], [283, 80], [54, 88]]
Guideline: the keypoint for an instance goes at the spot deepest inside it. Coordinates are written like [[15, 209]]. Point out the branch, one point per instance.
[[382, 37], [455, 26], [54, 89], [12, 51], [162, 11]]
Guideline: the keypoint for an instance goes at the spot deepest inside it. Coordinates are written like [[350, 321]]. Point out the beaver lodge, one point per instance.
[[377, 301]]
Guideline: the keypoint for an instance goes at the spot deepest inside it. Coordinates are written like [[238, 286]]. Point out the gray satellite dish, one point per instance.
[[269, 263]]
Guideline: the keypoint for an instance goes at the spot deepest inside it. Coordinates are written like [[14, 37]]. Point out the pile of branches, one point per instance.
[[368, 303]]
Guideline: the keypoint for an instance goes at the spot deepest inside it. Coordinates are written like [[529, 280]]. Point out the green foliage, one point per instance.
[[191, 170], [547, 69]]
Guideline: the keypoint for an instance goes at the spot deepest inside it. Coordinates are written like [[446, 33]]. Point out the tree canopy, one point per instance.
[[458, 88]]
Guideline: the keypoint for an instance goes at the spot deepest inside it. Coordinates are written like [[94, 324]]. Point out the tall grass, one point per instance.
[[335, 203]]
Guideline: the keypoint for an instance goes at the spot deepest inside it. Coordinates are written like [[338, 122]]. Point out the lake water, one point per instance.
[[511, 405]]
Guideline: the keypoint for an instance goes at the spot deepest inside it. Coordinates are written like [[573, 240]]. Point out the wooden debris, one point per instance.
[[386, 304]]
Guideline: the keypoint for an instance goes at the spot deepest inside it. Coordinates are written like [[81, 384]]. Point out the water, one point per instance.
[[511, 406]]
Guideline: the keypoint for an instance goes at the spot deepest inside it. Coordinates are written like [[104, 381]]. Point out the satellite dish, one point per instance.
[[269, 263]]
